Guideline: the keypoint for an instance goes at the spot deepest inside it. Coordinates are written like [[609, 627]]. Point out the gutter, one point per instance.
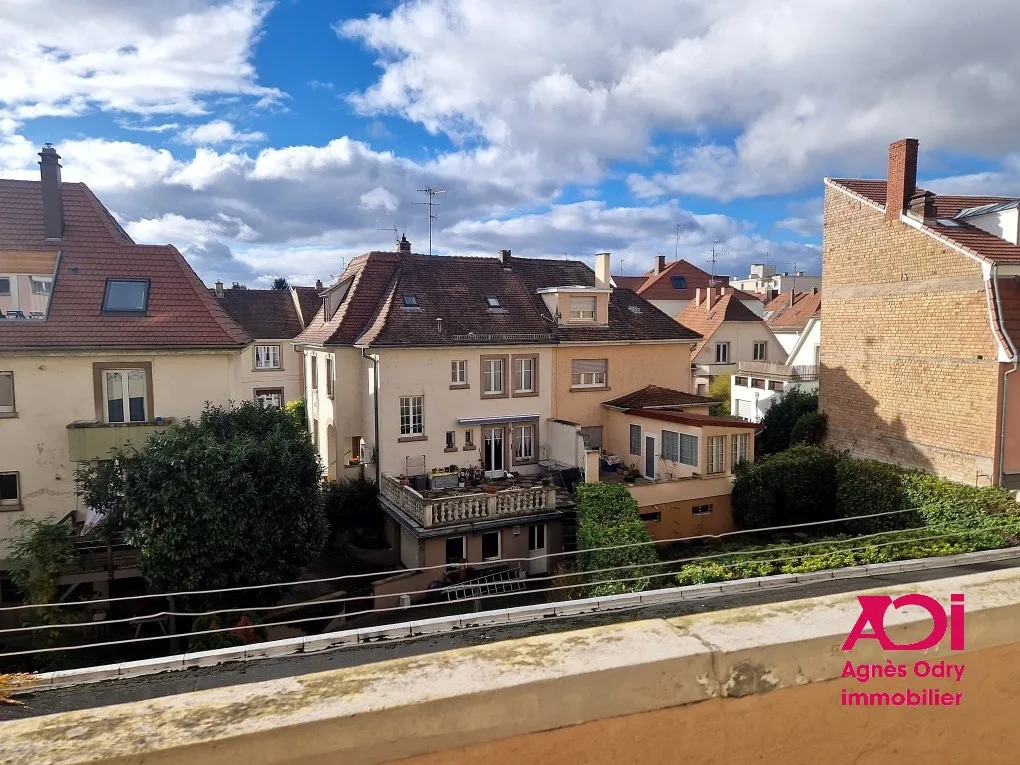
[[1005, 377], [375, 400]]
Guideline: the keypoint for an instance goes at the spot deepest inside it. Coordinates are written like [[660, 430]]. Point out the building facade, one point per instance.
[[671, 286]]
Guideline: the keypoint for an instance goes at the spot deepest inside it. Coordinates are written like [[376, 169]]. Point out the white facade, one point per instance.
[[755, 387]]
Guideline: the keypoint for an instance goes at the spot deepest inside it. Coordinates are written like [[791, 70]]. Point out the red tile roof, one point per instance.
[[705, 322], [181, 312], [310, 301], [653, 286], [263, 314], [654, 396], [697, 420], [793, 318]]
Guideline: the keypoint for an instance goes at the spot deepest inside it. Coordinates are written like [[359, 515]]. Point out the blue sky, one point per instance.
[[269, 139]]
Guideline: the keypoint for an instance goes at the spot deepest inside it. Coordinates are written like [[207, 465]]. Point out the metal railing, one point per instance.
[[506, 337], [784, 371]]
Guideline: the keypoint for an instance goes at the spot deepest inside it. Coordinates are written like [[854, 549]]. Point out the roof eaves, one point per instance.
[[859, 197]]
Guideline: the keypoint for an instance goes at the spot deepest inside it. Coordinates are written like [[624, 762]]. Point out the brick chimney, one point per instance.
[[318, 284], [52, 196], [219, 289], [902, 177], [697, 297], [602, 275], [793, 296], [922, 207], [403, 245], [814, 290], [660, 263], [504, 257], [710, 298]]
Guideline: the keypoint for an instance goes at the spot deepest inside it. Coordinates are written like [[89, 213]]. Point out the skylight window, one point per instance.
[[634, 308], [492, 301], [128, 297], [411, 301], [679, 283], [948, 222]]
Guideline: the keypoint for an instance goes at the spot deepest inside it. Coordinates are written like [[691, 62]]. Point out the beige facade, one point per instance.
[[740, 339], [270, 370], [55, 390]]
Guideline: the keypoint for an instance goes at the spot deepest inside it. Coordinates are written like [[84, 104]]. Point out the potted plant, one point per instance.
[[631, 474], [490, 488], [403, 479]]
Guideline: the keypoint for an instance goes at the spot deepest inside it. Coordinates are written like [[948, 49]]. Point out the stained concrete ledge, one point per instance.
[[407, 707]]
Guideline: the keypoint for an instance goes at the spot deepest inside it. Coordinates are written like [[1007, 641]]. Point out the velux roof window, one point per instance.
[[411, 301], [679, 283], [492, 301], [127, 297]]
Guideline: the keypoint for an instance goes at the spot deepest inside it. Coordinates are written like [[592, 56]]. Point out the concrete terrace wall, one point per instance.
[[761, 684], [909, 371]]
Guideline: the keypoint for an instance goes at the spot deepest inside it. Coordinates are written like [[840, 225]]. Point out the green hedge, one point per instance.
[[607, 515], [794, 486]]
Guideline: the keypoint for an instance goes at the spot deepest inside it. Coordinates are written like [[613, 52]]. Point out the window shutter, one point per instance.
[[588, 366]]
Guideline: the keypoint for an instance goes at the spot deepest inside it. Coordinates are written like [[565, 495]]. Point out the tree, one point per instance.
[[607, 516], [280, 283], [36, 557], [780, 419], [720, 391], [228, 500], [351, 505]]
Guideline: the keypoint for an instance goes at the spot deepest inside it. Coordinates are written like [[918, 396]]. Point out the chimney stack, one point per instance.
[[504, 257], [902, 177], [403, 245], [710, 298], [219, 289], [814, 290], [660, 263], [602, 277], [922, 207], [52, 196], [318, 284]]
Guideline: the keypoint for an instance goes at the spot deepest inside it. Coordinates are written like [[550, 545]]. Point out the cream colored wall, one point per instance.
[[742, 335], [52, 391], [631, 366], [426, 372], [249, 379], [562, 303]]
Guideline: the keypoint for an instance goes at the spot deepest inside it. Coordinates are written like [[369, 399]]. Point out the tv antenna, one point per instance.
[[394, 229], [676, 248], [432, 203], [713, 260]]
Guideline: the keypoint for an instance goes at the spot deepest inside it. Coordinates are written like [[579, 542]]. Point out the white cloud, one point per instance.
[[220, 132], [805, 218], [379, 199], [1003, 181], [142, 127]]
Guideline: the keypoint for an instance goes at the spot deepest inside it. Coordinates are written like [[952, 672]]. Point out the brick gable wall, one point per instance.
[[909, 371]]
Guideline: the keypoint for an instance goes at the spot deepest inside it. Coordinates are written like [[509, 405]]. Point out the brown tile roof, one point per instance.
[[632, 283], [654, 396], [697, 420], [454, 289], [263, 314], [785, 317], [705, 322], [310, 301], [652, 286], [181, 312]]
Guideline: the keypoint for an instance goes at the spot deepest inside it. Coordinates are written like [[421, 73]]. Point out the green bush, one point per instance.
[[705, 573], [809, 428], [866, 487], [781, 418], [607, 516], [351, 505], [794, 486]]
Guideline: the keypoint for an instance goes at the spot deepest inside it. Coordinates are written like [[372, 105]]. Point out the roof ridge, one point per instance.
[[382, 313], [109, 222]]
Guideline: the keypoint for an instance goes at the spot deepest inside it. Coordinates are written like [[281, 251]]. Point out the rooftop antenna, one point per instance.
[[676, 248], [713, 260], [432, 194], [394, 229]]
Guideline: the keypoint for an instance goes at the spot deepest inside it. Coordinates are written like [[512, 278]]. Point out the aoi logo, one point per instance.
[[874, 608]]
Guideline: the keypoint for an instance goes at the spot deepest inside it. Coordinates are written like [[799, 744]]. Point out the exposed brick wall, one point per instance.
[[909, 370]]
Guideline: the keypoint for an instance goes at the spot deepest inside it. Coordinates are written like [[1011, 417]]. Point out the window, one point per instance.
[[411, 301], [490, 545], [524, 443], [524, 374], [701, 510], [451, 440], [5, 285], [458, 373], [536, 537], [722, 353], [7, 393], [329, 376], [315, 372], [469, 439], [412, 415], [493, 383], [702, 389], [738, 444], [775, 385], [740, 381], [688, 450], [635, 440], [716, 454], [582, 308], [124, 394], [817, 356], [10, 492], [455, 550], [492, 301], [268, 357], [315, 434], [40, 286], [588, 373], [679, 283], [126, 296], [757, 383], [761, 351], [670, 446], [651, 517], [269, 397]]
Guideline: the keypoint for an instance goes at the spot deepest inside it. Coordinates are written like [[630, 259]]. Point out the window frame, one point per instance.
[[492, 302], [469, 439], [99, 370], [518, 429], [46, 280], [735, 451], [589, 380], [631, 436], [451, 441], [10, 410], [313, 371], [581, 314], [458, 374], [411, 433], [653, 517], [257, 392], [499, 544], [330, 376], [764, 356], [725, 347], [669, 446], [255, 357], [11, 280], [524, 392], [503, 360], [12, 504], [463, 550], [692, 451], [715, 461], [409, 302], [701, 509], [110, 281], [681, 279], [536, 530]]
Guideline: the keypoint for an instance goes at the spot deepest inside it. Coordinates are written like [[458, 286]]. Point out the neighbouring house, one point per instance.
[[921, 322], [788, 314], [671, 287], [764, 281], [128, 341], [271, 370], [730, 333]]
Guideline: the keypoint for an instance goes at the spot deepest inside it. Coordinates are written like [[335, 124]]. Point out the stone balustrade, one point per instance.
[[467, 508]]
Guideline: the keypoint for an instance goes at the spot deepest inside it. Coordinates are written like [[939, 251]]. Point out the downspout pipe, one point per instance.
[[375, 401], [1005, 377]]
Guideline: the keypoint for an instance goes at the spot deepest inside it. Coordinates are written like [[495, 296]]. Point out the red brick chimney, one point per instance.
[[660, 263], [902, 177]]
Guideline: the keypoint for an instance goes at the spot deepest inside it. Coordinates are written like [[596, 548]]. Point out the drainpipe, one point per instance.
[[1005, 377], [375, 381]]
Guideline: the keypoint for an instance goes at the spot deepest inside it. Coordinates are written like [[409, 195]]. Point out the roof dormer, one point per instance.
[[575, 305], [1001, 219]]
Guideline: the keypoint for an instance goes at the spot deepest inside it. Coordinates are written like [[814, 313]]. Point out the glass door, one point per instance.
[[492, 453]]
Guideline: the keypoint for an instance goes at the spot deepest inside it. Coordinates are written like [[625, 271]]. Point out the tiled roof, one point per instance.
[[705, 322], [181, 312], [451, 296], [653, 286], [632, 283], [654, 396], [310, 302], [265, 314], [785, 317], [697, 420]]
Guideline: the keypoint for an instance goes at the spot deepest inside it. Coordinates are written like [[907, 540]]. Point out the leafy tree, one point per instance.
[[720, 391], [351, 505], [810, 428], [36, 556], [780, 419], [296, 409], [228, 500], [280, 283], [607, 516]]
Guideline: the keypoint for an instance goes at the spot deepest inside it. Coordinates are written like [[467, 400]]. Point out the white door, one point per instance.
[[537, 561], [493, 452], [649, 457]]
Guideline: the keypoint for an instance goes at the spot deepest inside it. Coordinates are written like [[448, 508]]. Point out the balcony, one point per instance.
[[800, 373], [88, 440], [450, 507]]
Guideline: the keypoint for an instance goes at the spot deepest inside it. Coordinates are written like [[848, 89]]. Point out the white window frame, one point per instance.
[[533, 534], [722, 353], [579, 307], [716, 455], [524, 436], [469, 438], [12, 407], [267, 357], [463, 547], [764, 354], [124, 391], [670, 446], [451, 439], [524, 368], [458, 372], [16, 501], [40, 280], [588, 380], [499, 545], [412, 423], [494, 369], [264, 393], [739, 443], [12, 286]]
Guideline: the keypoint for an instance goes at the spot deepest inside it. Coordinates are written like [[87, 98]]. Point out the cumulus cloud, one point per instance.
[[379, 199], [220, 132]]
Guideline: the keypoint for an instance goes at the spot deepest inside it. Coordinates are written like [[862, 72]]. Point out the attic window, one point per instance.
[[947, 222], [634, 308], [492, 301], [411, 301], [679, 283], [128, 297]]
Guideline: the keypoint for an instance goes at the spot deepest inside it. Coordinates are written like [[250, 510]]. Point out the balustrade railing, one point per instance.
[[467, 508]]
